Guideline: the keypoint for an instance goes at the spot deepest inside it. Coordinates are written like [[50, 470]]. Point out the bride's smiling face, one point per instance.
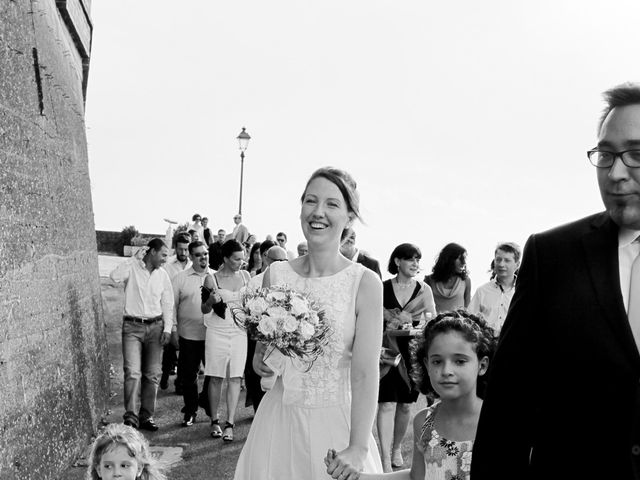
[[324, 213]]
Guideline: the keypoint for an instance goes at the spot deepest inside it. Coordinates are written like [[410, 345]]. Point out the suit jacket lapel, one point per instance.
[[601, 248]]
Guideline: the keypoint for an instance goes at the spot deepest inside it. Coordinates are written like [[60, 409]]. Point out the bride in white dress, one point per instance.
[[333, 404]]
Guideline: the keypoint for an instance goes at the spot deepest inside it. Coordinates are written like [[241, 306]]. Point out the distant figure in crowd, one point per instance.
[[264, 249], [206, 232], [302, 248], [194, 234], [240, 233], [492, 299], [191, 331], [281, 238], [271, 253], [119, 451], [255, 259], [196, 225], [564, 390], [349, 250], [333, 403], [215, 250], [226, 343], [449, 281], [174, 266], [248, 245], [146, 328], [407, 303], [450, 358]]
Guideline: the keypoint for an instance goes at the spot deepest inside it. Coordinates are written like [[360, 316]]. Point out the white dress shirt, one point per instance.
[[628, 250], [146, 294], [492, 300]]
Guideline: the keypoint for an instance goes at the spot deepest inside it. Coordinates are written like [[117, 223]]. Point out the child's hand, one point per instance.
[[331, 454], [345, 465]]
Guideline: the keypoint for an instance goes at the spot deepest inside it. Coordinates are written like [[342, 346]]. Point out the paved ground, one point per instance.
[[202, 456]]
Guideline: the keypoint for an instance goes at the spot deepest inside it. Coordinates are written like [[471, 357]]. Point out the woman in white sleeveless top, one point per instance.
[[333, 404], [225, 344]]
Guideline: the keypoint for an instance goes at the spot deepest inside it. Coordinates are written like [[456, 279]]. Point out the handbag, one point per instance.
[[388, 358]]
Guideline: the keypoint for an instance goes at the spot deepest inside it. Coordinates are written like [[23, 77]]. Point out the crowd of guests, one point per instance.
[[524, 409], [199, 336]]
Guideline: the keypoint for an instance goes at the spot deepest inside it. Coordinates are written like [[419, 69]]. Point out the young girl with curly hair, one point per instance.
[[122, 452], [450, 359]]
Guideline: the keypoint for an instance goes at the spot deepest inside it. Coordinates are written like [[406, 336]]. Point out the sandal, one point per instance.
[[228, 432], [214, 430]]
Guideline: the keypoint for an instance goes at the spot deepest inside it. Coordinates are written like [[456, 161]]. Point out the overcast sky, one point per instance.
[[461, 121]]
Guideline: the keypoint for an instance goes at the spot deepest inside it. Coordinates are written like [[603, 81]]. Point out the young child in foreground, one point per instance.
[[122, 452], [450, 358]]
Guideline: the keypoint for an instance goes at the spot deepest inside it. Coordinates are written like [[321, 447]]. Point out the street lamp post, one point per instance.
[[243, 140]]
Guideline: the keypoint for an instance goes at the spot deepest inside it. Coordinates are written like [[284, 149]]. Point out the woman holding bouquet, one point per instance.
[[407, 302], [332, 402]]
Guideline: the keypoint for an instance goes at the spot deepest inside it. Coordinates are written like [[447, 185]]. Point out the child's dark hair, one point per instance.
[[472, 327], [119, 435]]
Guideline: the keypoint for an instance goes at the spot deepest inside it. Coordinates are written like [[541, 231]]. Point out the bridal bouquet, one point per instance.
[[286, 320]]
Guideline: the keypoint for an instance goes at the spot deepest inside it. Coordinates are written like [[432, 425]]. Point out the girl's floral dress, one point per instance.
[[443, 459]]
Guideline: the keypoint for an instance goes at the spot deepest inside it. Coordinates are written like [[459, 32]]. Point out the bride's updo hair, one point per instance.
[[345, 183]]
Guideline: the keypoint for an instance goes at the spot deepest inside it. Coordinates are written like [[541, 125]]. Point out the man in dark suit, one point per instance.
[[349, 250], [563, 400]]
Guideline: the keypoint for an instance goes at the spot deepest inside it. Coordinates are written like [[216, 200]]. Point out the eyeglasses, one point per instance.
[[281, 239], [604, 159]]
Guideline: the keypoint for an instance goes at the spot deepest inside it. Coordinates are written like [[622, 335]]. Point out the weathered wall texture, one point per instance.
[[54, 381]]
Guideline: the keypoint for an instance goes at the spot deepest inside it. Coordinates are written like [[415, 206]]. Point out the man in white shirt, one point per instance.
[[146, 328], [492, 299], [175, 265], [191, 330]]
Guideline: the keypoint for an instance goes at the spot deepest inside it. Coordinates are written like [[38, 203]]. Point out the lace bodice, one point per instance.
[[327, 382]]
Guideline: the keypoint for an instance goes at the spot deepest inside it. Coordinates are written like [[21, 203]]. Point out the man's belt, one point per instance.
[[145, 321]]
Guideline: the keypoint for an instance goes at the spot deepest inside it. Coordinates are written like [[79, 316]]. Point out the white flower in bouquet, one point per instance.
[[276, 296], [267, 325], [299, 306], [277, 312], [313, 318], [257, 306], [306, 330], [289, 324], [284, 319]]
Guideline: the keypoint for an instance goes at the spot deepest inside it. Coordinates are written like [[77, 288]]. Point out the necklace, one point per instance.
[[404, 285]]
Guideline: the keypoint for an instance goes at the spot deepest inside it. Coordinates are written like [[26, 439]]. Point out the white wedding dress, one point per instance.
[[308, 412]]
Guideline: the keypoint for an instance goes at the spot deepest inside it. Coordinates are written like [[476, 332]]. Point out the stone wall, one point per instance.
[[53, 349]]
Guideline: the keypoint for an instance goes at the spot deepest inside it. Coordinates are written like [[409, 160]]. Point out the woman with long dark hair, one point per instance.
[[449, 279], [255, 259]]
